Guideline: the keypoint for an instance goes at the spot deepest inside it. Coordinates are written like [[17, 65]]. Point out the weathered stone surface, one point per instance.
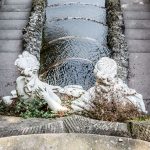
[[137, 34], [8, 72], [10, 126], [6, 60], [14, 15], [16, 2], [10, 34], [11, 46], [7, 80], [15, 8], [136, 7], [78, 124], [12, 24], [139, 73], [136, 15], [137, 24], [141, 130], [13, 18], [71, 141], [137, 20], [134, 1], [138, 46]]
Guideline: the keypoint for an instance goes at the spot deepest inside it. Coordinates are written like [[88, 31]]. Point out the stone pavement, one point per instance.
[[14, 15], [137, 30]]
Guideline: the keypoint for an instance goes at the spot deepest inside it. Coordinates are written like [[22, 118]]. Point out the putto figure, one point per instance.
[[108, 86], [29, 86]]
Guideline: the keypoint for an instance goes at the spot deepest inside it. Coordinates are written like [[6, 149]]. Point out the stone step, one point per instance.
[[10, 46], [134, 1], [137, 34], [147, 104], [14, 15], [139, 73], [136, 15], [7, 60], [8, 72], [136, 7], [1, 2], [12, 24], [15, 8], [18, 2], [137, 24], [10, 34], [7, 80], [138, 46]]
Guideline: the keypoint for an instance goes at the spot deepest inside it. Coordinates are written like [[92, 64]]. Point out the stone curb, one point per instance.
[[11, 126], [71, 141], [32, 38]]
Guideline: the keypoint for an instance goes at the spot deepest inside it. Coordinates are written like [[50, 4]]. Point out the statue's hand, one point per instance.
[[41, 93]]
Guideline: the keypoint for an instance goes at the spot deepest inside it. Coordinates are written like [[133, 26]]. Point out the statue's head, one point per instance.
[[27, 63], [105, 68]]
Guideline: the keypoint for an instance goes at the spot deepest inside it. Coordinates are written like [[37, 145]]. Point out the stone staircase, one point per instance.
[[137, 30], [14, 16]]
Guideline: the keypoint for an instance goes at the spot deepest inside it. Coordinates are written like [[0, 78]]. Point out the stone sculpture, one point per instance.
[[108, 86], [29, 86]]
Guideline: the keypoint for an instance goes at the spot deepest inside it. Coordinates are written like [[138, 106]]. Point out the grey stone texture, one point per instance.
[[134, 1], [140, 73], [14, 16], [137, 46], [10, 34], [137, 34], [71, 142], [12, 24], [11, 46], [137, 7], [15, 8], [141, 130], [136, 15], [137, 24], [11, 126], [16, 2]]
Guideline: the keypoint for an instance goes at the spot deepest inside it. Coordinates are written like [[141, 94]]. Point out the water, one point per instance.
[[100, 3], [75, 38], [88, 12]]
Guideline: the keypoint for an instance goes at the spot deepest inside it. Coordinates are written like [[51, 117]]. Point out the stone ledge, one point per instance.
[[140, 130], [10, 126], [73, 141]]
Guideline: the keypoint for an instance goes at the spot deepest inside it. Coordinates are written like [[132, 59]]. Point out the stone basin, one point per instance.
[[71, 142]]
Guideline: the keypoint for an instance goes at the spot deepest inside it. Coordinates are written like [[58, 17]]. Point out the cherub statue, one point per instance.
[[109, 87], [30, 87]]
